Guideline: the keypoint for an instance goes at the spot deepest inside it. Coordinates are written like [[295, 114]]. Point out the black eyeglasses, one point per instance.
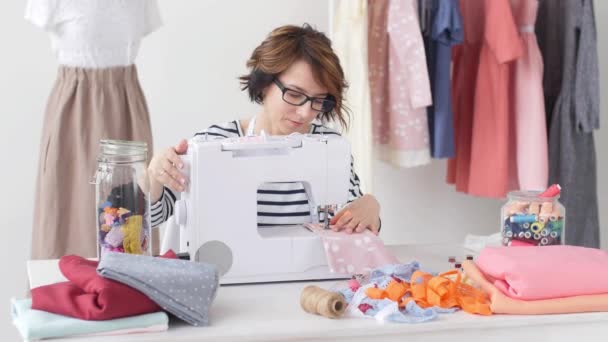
[[296, 98]]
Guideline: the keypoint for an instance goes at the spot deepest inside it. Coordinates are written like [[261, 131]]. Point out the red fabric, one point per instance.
[[89, 296]]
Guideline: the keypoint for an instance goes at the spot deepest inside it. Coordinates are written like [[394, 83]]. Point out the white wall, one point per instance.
[[188, 71]]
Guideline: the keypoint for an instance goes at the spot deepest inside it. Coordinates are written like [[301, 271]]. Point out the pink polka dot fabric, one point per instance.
[[356, 253]]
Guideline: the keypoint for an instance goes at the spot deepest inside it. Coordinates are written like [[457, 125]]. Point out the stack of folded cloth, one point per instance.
[[123, 293], [542, 280]]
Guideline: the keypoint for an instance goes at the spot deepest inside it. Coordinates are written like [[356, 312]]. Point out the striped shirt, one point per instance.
[[278, 203]]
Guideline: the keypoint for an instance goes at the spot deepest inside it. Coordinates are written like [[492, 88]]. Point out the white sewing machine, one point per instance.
[[216, 217]]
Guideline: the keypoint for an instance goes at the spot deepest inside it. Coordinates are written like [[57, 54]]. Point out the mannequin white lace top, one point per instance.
[[95, 33]]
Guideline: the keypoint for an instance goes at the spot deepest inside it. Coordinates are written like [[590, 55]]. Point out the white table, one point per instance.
[[271, 312]]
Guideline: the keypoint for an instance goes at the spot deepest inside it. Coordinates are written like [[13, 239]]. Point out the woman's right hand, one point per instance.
[[164, 170]]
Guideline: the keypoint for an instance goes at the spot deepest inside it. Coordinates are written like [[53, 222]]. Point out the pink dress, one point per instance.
[[399, 83], [487, 167], [530, 127]]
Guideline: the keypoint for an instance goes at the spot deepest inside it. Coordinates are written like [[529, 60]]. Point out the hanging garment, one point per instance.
[[485, 146], [444, 30], [493, 144], [96, 96], [568, 42], [530, 123], [349, 38], [465, 59], [399, 83]]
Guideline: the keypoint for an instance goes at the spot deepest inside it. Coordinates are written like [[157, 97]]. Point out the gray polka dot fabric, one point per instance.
[[183, 288]]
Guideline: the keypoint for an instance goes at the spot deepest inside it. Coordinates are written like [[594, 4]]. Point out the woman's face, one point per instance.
[[284, 118]]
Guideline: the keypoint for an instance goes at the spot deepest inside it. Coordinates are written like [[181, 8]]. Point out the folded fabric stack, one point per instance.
[[37, 325], [542, 280], [123, 293], [183, 288]]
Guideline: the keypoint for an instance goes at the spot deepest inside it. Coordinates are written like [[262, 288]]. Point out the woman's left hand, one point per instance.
[[362, 213]]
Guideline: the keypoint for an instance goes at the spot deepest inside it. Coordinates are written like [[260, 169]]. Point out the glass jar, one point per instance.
[[122, 197], [528, 219]]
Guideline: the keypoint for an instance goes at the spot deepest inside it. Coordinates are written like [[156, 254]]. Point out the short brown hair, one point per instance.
[[286, 45]]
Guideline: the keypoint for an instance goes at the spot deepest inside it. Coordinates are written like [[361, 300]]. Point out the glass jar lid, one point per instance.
[[122, 150], [530, 196]]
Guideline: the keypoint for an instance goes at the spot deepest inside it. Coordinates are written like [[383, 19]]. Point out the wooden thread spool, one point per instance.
[[318, 301]]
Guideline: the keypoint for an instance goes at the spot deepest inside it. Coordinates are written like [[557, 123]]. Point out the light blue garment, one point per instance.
[[36, 324], [386, 309], [444, 29], [401, 271]]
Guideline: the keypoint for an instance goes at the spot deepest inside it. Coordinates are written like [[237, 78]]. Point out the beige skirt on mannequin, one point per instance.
[[85, 105]]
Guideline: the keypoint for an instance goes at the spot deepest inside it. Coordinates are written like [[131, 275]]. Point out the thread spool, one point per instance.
[[534, 208], [536, 227], [552, 191], [546, 209], [523, 218], [318, 301]]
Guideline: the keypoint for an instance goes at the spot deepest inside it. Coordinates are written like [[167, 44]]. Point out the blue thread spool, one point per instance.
[[516, 228], [536, 236], [523, 218], [544, 232], [528, 235]]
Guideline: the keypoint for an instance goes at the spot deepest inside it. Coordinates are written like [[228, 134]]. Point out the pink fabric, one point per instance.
[[547, 272], [520, 243], [531, 130], [355, 253], [399, 82]]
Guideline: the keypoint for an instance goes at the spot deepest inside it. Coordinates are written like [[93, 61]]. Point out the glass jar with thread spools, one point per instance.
[[122, 197], [533, 218]]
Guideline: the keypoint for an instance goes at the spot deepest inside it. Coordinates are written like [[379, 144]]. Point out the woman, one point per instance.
[[297, 79]]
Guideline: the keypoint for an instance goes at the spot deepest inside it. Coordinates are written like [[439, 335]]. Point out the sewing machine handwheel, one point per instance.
[[216, 253]]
